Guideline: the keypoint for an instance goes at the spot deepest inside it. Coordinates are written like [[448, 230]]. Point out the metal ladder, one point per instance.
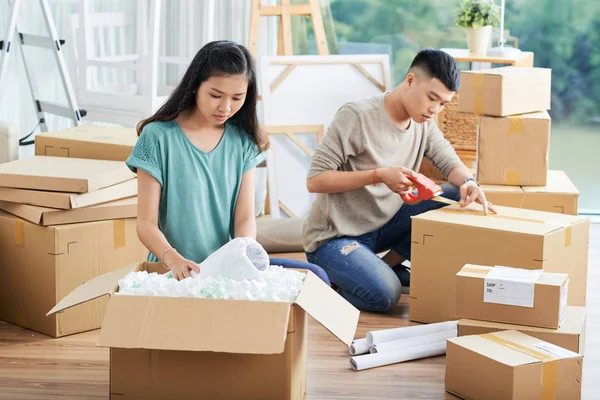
[[52, 43]]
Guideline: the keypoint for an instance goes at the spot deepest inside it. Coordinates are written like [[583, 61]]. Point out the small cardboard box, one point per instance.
[[444, 240], [511, 365], [126, 208], [88, 141], [511, 295], [505, 91], [69, 201], [559, 195], [226, 349], [571, 334], [513, 150], [40, 265], [73, 175]]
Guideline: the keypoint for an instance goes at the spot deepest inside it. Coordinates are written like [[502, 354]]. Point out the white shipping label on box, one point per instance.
[[510, 286], [555, 350]]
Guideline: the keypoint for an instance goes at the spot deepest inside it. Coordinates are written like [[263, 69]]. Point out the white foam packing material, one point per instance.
[[275, 283]]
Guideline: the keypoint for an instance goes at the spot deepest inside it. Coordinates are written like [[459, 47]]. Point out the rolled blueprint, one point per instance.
[[387, 335], [366, 361], [395, 345], [359, 346]]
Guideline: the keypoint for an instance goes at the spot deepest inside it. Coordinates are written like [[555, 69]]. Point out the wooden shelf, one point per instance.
[[521, 59]]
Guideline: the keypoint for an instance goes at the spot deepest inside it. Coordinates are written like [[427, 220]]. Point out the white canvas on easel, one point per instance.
[[308, 90]]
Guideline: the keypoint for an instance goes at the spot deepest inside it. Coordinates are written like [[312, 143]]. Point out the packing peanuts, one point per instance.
[[188, 348], [40, 265], [88, 141], [513, 150], [558, 195], [511, 295], [511, 365], [505, 91], [571, 334], [444, 240]]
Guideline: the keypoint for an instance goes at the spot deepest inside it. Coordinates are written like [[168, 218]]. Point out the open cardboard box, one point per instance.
[[207, 348]]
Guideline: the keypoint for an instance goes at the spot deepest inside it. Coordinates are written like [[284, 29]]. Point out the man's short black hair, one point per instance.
[[440, 65]]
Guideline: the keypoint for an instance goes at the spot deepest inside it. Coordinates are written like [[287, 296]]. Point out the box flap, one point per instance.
[[557, 182], [96, 134], [502, 189], [508, 219], [533, 115], [62, 174], [94, 288], [329, 308], [193, 324], [119, 191]]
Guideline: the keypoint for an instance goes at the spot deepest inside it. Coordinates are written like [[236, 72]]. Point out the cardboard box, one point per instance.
[[511, 295], [559, 195], [505, 91], [74, 175], [88, 141], [126, 208], [513, 150], [226, 349], [571, 334], [69, 201], [41, 265], [444, 240], [511, 365]]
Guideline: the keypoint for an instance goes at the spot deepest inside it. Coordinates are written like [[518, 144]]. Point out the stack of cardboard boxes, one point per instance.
[[63, 221]]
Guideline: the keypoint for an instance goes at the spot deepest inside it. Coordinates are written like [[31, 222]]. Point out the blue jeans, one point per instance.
[[364, 279], [286, 263]]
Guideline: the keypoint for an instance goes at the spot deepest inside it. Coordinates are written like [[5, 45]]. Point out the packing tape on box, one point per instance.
[[568, 227], [511, 177], [515, 124], [475, 271], [478, 81], [20, 232], [118, 233], [549, 365]]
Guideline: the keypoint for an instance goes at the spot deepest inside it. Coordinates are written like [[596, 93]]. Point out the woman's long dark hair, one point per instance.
[[215, 58]]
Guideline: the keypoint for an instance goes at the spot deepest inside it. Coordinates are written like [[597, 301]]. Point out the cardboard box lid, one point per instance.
[[572, 325], [546, 278], [513, 348], [508, 219], [61, 174], [557, 182], [504, 76], [541, 115], [96, 134], [194, 324], [125, 208]]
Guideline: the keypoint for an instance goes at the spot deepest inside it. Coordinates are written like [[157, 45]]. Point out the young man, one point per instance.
[[360, 172]]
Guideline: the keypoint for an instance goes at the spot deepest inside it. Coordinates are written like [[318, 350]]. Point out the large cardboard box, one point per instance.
[[69, 201], [571, 334], [444, 240], [88, 141], [41, 265], [511, 365], [126, 208], [511, 295], [57, 174], [211, 348], [558, 195], [505, 91], [513, 150]]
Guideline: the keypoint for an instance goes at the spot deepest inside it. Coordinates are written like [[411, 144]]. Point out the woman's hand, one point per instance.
[[179, 266]]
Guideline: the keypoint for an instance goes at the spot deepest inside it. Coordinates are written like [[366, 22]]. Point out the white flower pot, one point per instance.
[[479, 40]]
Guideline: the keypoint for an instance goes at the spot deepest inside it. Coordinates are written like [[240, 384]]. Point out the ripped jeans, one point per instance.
[[352, 263]]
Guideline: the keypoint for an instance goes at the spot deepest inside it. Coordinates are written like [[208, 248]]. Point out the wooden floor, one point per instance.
[[33, 366]]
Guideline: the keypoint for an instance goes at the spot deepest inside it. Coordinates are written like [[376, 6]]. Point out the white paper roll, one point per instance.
[[359, 346], [395, 345], [358, 363], [387, 335]]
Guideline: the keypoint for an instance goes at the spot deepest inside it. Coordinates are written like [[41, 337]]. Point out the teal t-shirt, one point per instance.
[[199, 189]]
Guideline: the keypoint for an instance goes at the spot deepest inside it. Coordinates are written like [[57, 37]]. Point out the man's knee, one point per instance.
[[385, 298]]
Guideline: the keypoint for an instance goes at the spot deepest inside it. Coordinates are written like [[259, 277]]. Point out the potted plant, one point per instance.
[[478, 17]]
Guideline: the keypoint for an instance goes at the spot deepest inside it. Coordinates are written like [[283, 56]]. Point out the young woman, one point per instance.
[[195, 160]]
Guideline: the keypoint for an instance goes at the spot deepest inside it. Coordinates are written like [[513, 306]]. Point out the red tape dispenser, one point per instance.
[[426, 190]]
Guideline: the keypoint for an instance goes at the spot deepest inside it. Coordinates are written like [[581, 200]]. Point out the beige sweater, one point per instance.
[[363, 137]]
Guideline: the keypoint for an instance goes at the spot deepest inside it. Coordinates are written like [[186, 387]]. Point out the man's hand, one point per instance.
[[396, 179], [469, 192]]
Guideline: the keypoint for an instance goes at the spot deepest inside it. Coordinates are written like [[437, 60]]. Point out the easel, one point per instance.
[[285, 11]]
